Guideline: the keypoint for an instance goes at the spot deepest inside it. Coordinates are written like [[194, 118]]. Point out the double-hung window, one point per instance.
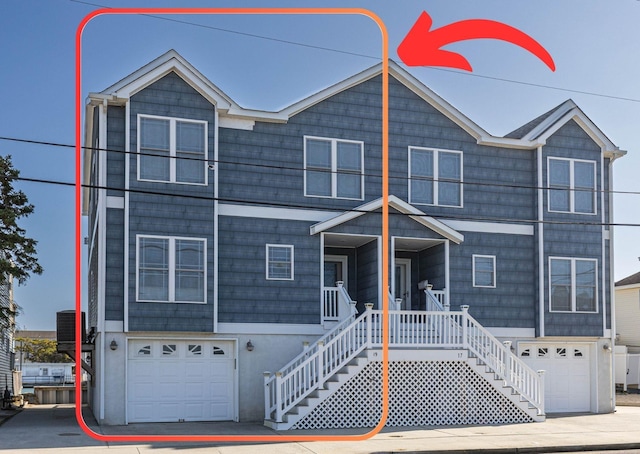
[[572, 186], [484, 271], [279, 262], [573, 285], [435, 177], [172, 150], [171, 269], [333, 168]]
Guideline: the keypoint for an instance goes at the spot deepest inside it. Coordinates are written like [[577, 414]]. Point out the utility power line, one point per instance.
[[302, 169]]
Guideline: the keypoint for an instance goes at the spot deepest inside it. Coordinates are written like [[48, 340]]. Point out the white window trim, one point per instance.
[[172, 268], [495, 278], [571, 189], [266, 261], [172, 149], [436, 154], [334, 167], [573, 285]]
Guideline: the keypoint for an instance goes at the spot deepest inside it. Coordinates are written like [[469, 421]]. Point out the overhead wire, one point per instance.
[[299, 169]]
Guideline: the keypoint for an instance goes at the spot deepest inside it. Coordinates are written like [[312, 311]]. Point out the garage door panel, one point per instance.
[[181, 380], [568, 374]]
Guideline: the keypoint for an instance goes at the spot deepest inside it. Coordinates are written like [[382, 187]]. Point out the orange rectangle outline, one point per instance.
[[385, 221]]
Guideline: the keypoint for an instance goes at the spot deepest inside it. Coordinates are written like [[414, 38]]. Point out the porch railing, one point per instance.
[[337, 304], [441, 329]]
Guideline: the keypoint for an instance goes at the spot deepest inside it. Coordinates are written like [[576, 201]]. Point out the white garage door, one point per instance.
[[568, 374], [180, 380]]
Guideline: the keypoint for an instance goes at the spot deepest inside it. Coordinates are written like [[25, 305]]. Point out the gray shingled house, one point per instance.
[[236, 257]]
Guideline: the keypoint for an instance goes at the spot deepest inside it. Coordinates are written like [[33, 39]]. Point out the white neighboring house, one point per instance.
[[627, 297], [627, 316]]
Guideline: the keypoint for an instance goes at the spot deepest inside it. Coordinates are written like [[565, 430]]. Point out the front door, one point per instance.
[[402, 282], [335, 269]]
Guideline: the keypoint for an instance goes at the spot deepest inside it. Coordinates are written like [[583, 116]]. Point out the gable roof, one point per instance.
[[397, 204], [634, 279]]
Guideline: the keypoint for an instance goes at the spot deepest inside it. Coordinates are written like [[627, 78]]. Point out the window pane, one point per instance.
[[154, 253], [153, 285], [190, 137], [448, 194], [154, 167], [585, 187], [154, 140], [153, 273], [154, 134], [586, 299], [560, 285], [279, 263], [484, 272], [349, 156], [319, 183], [559, 200], [189, 255], [189, 286], [421, 163], [422, 191], [559, 173], [449, 166], [318, 153], [190, 168], [586, 272], [349, 185]]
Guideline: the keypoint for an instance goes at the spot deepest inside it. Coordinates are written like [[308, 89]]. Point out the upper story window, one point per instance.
[[573, 285], [435, 177], [333, 168], [572, 186], [279, 262], [172, 150], [484, 271], [171, 269]]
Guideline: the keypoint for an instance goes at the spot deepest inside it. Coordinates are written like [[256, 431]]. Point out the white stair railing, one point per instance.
[[337, 304], [432, 329], [507, 366]]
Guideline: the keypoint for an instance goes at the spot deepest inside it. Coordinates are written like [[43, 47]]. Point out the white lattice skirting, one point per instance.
[[421, 393]]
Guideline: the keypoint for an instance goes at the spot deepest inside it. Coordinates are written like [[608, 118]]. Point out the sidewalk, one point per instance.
[[52, 429]]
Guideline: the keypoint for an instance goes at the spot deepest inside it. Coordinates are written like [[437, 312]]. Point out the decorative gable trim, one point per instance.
[[397, 204]]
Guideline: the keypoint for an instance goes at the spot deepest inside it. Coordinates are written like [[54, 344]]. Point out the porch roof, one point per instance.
[[397, 204]]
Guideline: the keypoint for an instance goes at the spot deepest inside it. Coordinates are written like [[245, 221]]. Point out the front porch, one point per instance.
[[444, 368]]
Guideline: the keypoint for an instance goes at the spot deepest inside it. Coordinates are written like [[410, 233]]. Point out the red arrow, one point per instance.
[[422, 46]]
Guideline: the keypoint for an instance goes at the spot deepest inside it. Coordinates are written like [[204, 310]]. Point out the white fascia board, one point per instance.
[[399, 205], [586, 124], [291, 214], [315, 98], [527, 333], [489, 227], [627, 287], [560, 112], [270, 328], [436, 101], [86, 156]]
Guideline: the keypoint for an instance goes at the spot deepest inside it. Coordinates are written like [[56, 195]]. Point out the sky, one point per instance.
[[270, 61]]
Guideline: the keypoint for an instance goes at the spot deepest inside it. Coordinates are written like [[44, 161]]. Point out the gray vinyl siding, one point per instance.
[[245, 294], [432, 266], [178, 210], [170, 216], [574, 235], [114, 266], [116, 146], [498, 182], [512, 303], [271, 157], [6, 336], [368, 276]]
